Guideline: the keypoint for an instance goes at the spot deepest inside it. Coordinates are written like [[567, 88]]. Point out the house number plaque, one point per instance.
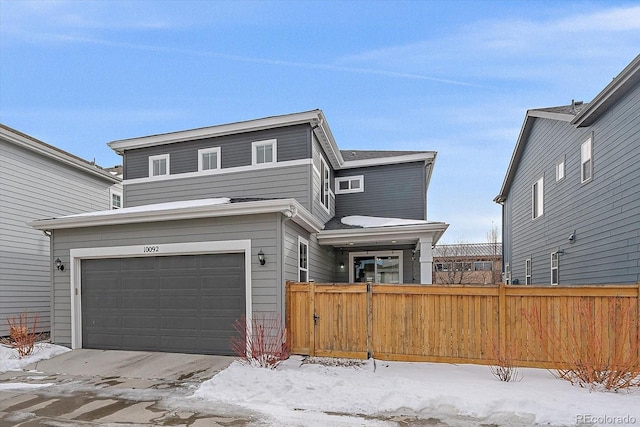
[[150, 249]]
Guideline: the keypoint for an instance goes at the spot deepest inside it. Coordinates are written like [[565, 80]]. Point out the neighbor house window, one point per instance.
[[554, 268], [586, 164], [482, 265], [560, 169], [209, 159], [350, 184], [325, 188], [159, 165], [116, 199], [527, 271], [264, 152], [537, 198], [303, 260]]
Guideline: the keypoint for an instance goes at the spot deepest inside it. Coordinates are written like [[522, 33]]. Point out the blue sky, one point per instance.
[[455, 77]]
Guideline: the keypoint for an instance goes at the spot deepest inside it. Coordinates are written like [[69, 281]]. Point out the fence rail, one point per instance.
[[455, 323]]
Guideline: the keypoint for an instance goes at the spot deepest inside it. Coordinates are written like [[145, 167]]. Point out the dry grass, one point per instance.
[[596, 348], [22, 334], [262, 340]]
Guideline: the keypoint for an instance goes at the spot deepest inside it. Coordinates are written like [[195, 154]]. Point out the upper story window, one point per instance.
[[325, 188], [560, 169], [537, 198], [208, 159], [159, 165], [586, 164], [116, 199], [350, 184], [264, 152]]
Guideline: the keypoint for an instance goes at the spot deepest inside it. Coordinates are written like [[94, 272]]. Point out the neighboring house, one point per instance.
[[38, 181], [467, 263], [571, 195], [217, 219]]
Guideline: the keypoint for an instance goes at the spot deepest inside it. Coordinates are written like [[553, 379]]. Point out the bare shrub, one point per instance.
[[22, 334], [262, 340], [502, 361], [596, 346]]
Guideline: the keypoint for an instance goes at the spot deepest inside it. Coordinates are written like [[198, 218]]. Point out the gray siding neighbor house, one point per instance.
[[571, 195], [38, 181], [217, 219]]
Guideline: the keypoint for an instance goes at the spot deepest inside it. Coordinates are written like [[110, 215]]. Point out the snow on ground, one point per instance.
[[315, 394], [9, 360]]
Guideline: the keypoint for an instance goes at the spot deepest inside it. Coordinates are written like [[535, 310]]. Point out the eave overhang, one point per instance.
[[401, 234], [291, 208]]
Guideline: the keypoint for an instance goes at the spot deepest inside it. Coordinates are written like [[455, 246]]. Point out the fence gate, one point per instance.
[[328, 320]]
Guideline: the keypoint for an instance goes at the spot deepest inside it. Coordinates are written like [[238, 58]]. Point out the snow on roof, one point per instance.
[[375, 221], [156, 207]]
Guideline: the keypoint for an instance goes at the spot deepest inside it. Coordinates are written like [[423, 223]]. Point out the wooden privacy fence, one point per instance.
[[459, 323]]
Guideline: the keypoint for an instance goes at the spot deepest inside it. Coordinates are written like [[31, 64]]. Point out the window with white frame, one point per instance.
[[159, 165], [208, 159], [303, 260], [537, 198], [482, 266], [325, 188], [554, 268], [264, 152], [586, 163], [560, 169], [116, 199], [350, 184], [507, 273], [527, 271]]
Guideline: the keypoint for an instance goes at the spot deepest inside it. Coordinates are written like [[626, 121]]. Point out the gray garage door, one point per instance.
[[184, 304]]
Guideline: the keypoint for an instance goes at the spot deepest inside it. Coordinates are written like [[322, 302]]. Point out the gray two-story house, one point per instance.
[[571, 195], [38, 180], [217, 219]]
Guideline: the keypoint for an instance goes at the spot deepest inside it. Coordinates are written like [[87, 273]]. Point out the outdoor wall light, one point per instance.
[[59, 264], [261, 257], [341, 265]]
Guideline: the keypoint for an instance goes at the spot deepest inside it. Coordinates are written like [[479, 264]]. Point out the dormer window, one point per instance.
[[264, 152], [350, 184], [209, 159], [159, 165]]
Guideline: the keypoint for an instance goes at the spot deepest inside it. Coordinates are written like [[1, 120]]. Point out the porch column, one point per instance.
[[426, 260]]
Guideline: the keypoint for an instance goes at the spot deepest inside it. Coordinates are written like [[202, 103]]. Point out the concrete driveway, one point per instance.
[[108, 387]]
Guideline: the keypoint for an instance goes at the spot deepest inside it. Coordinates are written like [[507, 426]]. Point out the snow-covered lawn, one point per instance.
[[9, 360], [315, 394]]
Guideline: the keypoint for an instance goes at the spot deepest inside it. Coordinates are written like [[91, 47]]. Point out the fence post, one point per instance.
[[312, 319], [502, 319], [369, 320]]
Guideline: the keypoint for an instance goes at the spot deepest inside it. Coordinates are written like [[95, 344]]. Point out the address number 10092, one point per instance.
[[150, 249]]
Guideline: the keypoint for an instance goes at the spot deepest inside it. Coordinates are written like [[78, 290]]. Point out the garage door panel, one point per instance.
[[177, 303]]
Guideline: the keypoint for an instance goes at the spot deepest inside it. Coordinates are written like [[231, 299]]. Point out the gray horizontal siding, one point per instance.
[[317, 208], [396, 191], [321, 258], [33, 186], [293, 142], [605, 212], [279, 182], [261, 229]]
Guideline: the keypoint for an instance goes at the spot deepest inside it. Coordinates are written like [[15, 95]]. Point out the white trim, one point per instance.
[[350, 164], [112, 192], [325, 185], [537, 199], [527, 271], [209, 151], [398, 253], [237, 169], [159, 157], [556, 268], [349, 180], [306, 243], [274, 151], [561, 167], [168, 249]]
